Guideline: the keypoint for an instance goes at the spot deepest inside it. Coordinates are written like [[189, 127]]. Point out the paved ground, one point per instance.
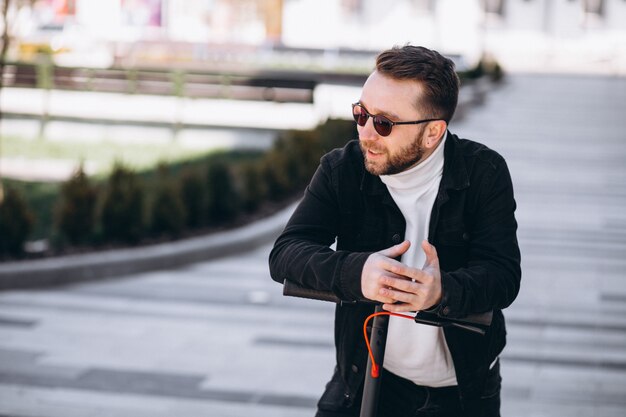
[[217, 339]]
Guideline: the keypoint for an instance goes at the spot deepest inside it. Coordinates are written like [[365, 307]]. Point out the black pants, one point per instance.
[[402, 398]]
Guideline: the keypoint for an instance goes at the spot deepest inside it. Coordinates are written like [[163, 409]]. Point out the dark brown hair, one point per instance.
[[434, 72]]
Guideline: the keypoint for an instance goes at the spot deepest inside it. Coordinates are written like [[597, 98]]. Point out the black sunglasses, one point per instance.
[[382, 125]]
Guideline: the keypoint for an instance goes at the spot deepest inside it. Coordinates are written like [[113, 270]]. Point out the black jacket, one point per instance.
[[472, 226]]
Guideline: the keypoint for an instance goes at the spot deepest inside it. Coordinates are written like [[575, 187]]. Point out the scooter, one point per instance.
[[478, 323]]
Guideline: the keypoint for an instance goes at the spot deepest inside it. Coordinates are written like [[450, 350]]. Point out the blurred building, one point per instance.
[[522, 34]]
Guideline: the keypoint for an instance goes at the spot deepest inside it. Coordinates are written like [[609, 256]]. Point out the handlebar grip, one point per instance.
[[292, 289], [478, 323], [483, 319]]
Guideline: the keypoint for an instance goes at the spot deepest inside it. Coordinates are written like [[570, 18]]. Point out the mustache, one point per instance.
[[374, 149]]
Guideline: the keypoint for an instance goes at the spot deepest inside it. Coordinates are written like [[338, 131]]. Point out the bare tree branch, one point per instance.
[[3, 55]]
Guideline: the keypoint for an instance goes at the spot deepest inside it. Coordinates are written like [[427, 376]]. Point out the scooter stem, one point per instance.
[[371, 387]]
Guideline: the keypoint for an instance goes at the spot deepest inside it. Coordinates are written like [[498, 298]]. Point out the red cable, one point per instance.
[[375, 369]]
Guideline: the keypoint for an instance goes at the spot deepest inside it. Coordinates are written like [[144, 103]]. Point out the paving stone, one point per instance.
[[14, 322]]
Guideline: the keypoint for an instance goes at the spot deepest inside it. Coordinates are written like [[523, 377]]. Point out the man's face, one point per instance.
[[402, 149]]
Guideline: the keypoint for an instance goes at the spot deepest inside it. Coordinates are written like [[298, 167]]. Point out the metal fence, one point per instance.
[[281, 86]]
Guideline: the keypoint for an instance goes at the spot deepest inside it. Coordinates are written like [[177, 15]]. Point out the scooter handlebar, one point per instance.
[[292, 289], [478, 323]]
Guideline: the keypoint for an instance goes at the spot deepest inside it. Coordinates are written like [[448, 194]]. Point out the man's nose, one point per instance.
[[368, 132]]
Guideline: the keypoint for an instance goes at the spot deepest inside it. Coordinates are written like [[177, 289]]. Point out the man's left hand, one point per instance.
[[419, 289]]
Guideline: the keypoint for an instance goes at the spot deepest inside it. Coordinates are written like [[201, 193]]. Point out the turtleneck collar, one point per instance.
[[421, 174]]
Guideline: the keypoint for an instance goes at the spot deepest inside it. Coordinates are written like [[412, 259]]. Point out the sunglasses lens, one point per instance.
[[382, 125], [359, 114]]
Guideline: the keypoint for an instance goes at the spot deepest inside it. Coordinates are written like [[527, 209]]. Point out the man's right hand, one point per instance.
[[379, 265]]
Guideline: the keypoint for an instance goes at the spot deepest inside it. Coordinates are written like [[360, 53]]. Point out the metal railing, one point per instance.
[[268, 86]]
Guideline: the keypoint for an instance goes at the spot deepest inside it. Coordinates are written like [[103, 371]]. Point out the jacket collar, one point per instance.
[[454, 172]]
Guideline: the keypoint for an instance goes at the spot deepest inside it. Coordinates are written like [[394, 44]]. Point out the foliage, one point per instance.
[[487, 66], [334, 134], [122, 209], [192, 194], [168, 211], [41, 198], [289, 165], [75, 216], [223, 201], [253, 188], [274, 173], [211, 190], [16, 221]]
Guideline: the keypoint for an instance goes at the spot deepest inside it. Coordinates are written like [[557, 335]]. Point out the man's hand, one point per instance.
[[412, 289], [379, 266]]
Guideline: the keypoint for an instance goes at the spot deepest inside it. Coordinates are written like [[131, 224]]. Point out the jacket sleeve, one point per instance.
[[302, 252], [492, 277]]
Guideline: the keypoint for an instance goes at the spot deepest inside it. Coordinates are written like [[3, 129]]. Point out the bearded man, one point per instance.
[[422, 220]]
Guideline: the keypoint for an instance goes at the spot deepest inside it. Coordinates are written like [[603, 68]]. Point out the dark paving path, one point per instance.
[[218, 339]]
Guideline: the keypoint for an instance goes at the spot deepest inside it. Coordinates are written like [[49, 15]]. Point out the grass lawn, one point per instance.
[[63, 157], [98, 157]]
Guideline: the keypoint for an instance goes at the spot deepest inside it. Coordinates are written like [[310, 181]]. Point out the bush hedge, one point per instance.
[[223, 199], [122, 214], [76, 209], [168, 215], [16, 222], [193, 198], [253, 191], [175, 199]]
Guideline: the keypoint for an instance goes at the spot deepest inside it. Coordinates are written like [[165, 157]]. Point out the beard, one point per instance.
[[403, 159]]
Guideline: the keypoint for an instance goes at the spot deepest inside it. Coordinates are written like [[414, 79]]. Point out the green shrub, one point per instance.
[[291, 162], [16, 222], [75, 214], [496, 73], [168, 212], [192, 193], [253, 188], [335, 134], [40, 197], [122, 209], [206, 192], [275, 178], [308, 150], [282, 168], [223, 201], [486, 66]]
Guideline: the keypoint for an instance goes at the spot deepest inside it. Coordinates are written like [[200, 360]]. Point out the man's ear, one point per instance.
[[434, 133]]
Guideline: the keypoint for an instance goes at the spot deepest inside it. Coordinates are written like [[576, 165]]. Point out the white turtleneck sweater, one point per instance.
[[414, 351]]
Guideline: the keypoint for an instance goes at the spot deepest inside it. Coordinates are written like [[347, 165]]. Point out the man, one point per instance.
[[423, 220]]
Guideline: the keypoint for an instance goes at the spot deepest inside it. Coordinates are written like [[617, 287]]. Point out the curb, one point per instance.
[[118, 262]]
